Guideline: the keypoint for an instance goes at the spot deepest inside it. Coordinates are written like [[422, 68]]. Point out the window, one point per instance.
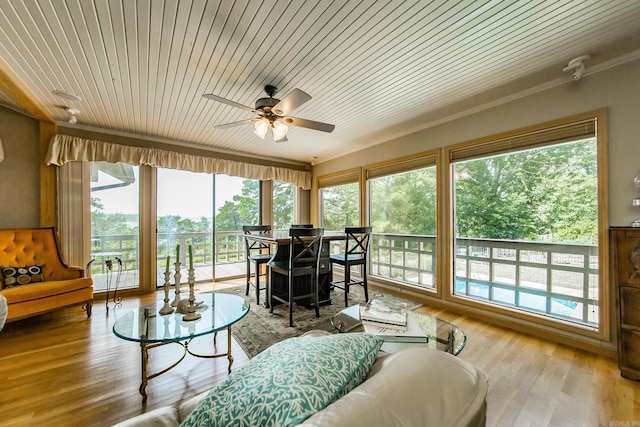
[[184, 217], [403, 215], [283, 205], [340, 207], [526, 221], [237, 203], [339, 198], [115, 217]]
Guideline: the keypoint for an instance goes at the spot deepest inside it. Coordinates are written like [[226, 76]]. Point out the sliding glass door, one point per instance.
[[115, 215], [237, 203], [184, 219]]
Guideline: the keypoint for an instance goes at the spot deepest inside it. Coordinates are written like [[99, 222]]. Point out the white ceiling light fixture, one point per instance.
[[279, 131], [66, 95], [72, 115], [577, 65], [278, 128], [262, 126]]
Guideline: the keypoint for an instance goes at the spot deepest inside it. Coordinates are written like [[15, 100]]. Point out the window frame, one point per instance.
[[483, 147], [430, 158], [349, 176]]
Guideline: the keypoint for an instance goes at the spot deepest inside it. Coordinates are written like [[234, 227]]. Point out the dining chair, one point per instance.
[[304, 259], [258, 253], [301, 225], [356, 248]]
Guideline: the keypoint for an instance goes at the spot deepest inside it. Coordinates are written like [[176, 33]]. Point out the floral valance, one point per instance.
[[65, 148]]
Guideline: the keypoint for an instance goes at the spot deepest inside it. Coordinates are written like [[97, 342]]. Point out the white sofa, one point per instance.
[[414, 387]]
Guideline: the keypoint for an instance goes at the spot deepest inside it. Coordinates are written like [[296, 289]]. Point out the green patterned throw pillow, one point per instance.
[[288, 382]]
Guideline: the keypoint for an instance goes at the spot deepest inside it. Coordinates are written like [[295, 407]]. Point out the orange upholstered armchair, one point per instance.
[[33, 277]]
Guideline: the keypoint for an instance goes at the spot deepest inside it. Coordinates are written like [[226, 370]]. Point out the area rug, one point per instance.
[[259, 329]]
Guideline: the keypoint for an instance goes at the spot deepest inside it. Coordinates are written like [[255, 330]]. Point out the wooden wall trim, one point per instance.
[[48, 179]]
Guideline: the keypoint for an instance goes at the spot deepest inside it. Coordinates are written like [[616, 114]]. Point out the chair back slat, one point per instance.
[[254, 245], [357, 240], [306, 244]]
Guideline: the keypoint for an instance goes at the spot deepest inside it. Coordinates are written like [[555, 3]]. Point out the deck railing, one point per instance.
[[559, 280], [229, 249]]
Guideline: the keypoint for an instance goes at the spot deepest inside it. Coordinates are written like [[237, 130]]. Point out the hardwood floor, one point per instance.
[[538, 383], [62, 369]]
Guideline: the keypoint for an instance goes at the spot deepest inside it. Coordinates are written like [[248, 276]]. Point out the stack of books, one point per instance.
[[392, 326], [377, 313]]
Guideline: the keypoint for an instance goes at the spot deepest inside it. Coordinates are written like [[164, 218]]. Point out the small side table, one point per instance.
[[109, 258], [442, 335]]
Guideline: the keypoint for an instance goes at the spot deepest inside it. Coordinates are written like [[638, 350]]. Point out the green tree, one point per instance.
[[546, 193], [103, 224], [242, 210], [340, 207], [283, 195], [404, 203]]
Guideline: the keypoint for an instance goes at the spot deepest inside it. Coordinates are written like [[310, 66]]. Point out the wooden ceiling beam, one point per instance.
[[15, 89]]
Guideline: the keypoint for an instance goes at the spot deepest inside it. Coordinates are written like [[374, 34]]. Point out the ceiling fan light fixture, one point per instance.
[[262, 126], [279, 130]]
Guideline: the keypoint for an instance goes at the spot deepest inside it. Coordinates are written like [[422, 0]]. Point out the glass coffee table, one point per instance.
[[440, 335], [148, 327]]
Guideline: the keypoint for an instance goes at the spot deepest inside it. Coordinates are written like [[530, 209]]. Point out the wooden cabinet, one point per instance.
[[625, 245]]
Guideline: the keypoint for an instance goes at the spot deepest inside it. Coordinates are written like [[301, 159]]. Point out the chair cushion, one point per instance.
[[261, 257], [289, 382], [36, 291], [352, 258]]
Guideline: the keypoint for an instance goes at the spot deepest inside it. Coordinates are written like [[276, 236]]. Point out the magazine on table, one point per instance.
[[377, 312], [413, 333]]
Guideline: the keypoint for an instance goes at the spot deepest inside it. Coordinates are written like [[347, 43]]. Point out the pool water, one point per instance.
[[559, 306]]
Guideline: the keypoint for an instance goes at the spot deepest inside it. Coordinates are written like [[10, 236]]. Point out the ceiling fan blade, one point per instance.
[[310, 124], [226, 101], [234, 124], [290, 102]]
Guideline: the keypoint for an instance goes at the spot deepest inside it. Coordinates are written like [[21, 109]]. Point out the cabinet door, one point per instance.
[[629, 307], [629, 354], [628, 259]]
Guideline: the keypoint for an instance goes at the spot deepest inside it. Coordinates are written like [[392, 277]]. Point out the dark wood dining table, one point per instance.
[[280, 241]]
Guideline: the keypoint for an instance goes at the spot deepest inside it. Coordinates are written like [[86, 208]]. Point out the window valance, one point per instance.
[[65, 148]]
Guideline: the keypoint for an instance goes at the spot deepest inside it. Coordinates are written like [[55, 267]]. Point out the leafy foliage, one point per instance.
[[110, 224], [404, 203], [340, 207], [540, 194], [243, 209], [283, 197]]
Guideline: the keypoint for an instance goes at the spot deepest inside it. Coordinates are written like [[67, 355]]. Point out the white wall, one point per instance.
[[617, 89]]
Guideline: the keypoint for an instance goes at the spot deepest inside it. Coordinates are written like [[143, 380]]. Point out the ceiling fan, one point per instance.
[[273, 114]]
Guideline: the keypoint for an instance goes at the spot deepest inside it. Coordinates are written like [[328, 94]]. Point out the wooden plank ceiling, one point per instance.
[[375, 69]]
